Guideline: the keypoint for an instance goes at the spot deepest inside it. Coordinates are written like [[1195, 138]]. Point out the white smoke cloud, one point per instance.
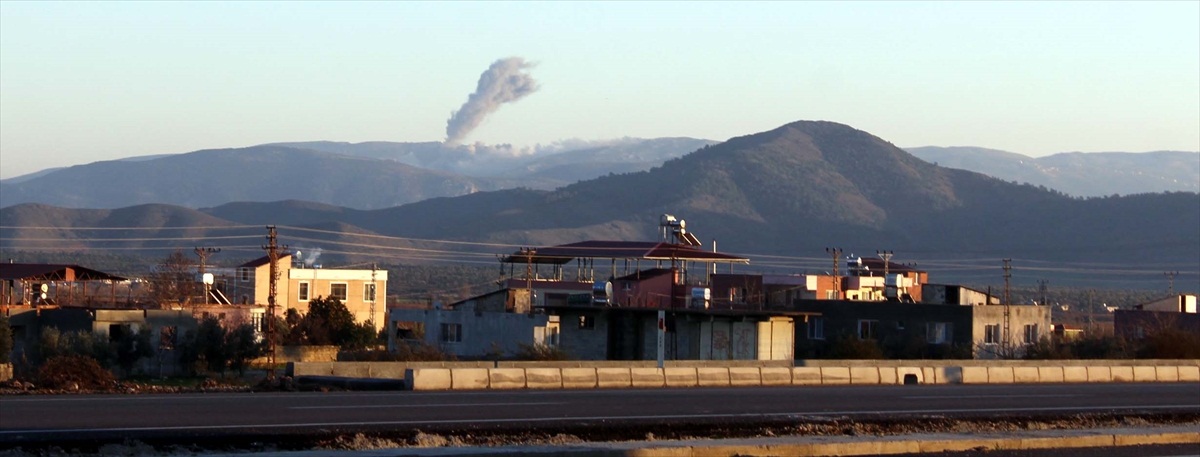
[[503, 82]]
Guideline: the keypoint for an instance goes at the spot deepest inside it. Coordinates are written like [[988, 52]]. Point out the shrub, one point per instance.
[[539, 351], [6, 342], [74, 371], [851, 348], [1170, 344]]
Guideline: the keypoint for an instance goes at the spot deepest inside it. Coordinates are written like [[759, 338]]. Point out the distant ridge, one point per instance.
[[790, 191], [1091, 174]]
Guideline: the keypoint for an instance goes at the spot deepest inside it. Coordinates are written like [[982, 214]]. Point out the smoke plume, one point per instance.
[[503, 82]]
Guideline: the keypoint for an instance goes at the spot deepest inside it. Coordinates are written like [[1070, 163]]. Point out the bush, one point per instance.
[[74, 372], [6, 342], [540, 352], [851, 348], [1170, 344]]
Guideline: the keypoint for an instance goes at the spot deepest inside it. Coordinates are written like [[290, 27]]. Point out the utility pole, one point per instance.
[[887, 261], [374, 293], [272, 247], [1171, 281], [1007, 306], [836, 254], [1042, 283], [529, 252], [203, 253]]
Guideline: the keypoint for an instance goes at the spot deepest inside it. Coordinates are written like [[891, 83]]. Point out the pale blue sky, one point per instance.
[[81, 82]]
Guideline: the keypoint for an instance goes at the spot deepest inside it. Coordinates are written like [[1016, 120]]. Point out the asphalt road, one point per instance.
[[40, 419]]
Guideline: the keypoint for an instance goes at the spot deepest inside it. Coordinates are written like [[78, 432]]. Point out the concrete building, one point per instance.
[[474, 328], [979, 329], [36, 284], [362, 291], [1176, 312]]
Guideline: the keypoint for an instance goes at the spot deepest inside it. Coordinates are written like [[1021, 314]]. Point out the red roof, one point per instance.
[[262, 261], [642, 250]]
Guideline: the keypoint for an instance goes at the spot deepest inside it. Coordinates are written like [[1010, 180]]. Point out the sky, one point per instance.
[[91, 81]]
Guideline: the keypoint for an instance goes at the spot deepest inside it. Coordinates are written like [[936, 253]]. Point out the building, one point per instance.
[[37, 284], [478, 327], [1176, 312], [362, 291], [984, 331]]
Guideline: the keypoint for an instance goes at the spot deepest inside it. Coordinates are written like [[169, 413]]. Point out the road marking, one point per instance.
[[431, 405], [928, 397], [585, 418]]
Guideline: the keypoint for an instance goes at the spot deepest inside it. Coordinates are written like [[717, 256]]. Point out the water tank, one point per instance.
[[601, 293], [701, 297]]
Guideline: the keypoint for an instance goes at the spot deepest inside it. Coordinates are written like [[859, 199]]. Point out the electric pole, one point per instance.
[[836, 254], [887, 261], [374, 293], [272, 247], [1042, 283], [203, 254], [1007, 308], [1171, 281]]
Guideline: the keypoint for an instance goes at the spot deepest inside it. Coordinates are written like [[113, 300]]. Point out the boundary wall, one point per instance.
[[699, 373]]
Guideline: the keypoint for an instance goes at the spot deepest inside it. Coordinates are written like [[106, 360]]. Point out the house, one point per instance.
[[1176, 312], [298, 283], [486, 325], [988, 331]]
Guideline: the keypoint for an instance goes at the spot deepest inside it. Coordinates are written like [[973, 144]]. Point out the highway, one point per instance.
[[252, 416]]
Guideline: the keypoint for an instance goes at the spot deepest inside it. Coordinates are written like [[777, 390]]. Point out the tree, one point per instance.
[[244, 346], [204, 349], [173, 280], [6, 341], [131, 347]]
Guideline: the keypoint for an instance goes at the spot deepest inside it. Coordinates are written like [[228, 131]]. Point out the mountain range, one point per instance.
[[1081, 174], [375, 175], [790, 191]]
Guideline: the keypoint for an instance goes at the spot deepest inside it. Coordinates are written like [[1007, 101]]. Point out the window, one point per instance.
[[587, 322], [868, 329], [452, 333], [244, 274], [830, 295], [302, 291], [337, 291], [118, 331], [939, 332], [1031, 333], [991, 334], [816, 328], [369, 291]]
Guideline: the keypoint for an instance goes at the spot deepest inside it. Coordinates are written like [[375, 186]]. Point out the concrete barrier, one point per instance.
[[543, 378], [902, 373], [713, 376], [6, 371], [806, 376], [835, 375], [1102, 374], [613, 377], [1189, 374], [776, 376], [1052, 374], [469, 378], [890, 375], [1026, 375], [864, 375], [1000, 375], [1120, 374], [506, 378], [681, 376], [646, 377], [974, 375], [428, 379], [579, 378], [1075, 374], [745, 376], [1166, 374], [1144, 374]]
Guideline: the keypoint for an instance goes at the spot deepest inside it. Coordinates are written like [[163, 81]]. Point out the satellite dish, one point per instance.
[[297, 254]]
